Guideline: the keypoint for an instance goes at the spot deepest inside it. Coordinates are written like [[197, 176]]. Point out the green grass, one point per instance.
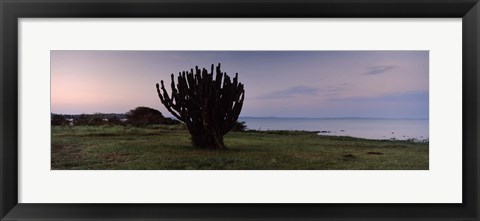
[[168, 148]]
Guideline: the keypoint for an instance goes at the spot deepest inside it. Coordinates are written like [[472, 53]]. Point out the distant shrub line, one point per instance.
[[138, 117]]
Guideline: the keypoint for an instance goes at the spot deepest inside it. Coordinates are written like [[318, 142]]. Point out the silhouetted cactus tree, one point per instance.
[[206, 104]]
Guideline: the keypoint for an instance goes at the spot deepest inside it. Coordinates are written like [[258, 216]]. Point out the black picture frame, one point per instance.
[[12, 10]]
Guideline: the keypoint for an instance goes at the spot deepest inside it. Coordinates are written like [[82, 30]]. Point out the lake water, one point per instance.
[[400, 129]]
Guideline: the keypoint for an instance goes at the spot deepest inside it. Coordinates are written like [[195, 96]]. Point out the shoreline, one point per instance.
[[329, 134]]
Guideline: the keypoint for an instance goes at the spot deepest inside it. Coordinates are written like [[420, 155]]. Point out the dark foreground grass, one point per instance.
[[168, 148]]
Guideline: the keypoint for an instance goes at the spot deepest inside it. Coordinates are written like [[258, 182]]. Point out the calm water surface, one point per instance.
[[400, 129]]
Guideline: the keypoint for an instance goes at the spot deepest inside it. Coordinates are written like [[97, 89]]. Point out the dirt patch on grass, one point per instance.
[[117, 157], [375, 153], [349, 156]]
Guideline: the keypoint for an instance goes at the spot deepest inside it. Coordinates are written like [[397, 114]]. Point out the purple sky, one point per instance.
[[385, 84]]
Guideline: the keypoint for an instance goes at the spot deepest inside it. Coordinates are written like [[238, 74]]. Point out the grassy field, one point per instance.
[[168, 148]]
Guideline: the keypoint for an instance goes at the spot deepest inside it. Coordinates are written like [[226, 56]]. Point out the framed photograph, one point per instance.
[[229, 110]]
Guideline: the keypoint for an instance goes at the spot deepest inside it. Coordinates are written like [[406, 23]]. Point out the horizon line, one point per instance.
[[347, 117], [282, 117]]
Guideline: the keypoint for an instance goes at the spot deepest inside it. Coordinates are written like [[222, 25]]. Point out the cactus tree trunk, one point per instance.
[[208, 105]]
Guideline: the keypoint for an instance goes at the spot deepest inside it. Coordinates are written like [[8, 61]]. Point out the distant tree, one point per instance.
[[97, 119], [90, 120], [239, 126], [170, 121], [81, 120], [142, 116], [58, 120], [114, 121]]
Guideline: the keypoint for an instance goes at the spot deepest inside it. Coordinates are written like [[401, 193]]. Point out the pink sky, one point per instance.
[[278, 83]]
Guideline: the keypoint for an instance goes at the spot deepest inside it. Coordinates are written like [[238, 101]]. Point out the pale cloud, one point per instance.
[[374, 70], [291, 92]]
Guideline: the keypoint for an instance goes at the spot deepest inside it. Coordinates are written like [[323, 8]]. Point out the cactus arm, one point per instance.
[[167, 102]]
